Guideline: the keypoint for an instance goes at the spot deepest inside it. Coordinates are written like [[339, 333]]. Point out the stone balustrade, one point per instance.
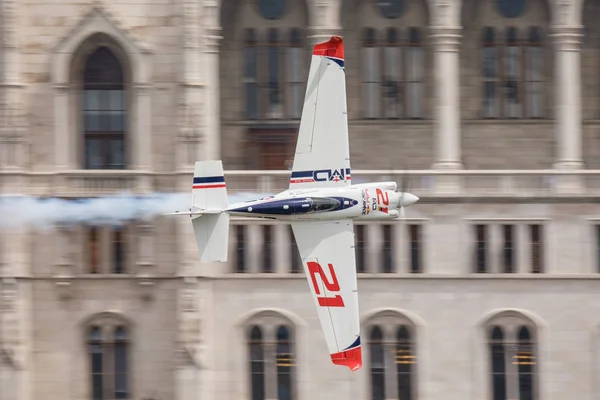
[[429, 185]]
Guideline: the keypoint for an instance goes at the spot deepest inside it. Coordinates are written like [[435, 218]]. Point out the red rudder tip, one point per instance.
[[332, 48], [349, 358]]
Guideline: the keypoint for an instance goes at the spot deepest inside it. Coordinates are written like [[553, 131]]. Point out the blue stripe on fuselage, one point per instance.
[[296, 206]]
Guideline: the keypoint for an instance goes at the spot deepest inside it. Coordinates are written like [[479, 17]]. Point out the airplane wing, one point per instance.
[[327, 251], [322, 157]]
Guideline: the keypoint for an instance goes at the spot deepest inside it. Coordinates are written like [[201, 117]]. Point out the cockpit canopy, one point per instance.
[[322, 204]]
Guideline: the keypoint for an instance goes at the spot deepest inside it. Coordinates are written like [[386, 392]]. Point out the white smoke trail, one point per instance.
[[44, 213]]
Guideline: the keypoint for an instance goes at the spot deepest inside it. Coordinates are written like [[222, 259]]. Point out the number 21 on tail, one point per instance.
[[314, 269]]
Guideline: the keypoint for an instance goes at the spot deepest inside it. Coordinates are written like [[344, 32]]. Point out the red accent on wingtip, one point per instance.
[[332, 48], [349, 358]]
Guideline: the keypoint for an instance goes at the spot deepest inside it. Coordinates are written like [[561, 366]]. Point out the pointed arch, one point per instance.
[[392, 351], [98, 29], [107, 337], [512, 355], [271, 364]]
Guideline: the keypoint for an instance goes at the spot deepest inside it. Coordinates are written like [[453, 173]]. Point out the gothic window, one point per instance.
[[513, 74], [274, 73], [268, 248], [371, 74], [512, 361], [416, 248], [387, 255], [257, 363], [240, 248], [104, 112], [295, 258], [294, 75], [361, 247], [414, 76], [489, 74], [251, 74], [537, 259], [393, 79], [272, 360], [108, 352], [391, 361], [105, 249], [535, 82], [391, 74]]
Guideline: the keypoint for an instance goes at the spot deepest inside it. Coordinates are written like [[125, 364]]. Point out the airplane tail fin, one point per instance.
[[209, 200], [209, 194]]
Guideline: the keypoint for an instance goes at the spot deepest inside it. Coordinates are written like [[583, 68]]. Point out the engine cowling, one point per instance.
[[379, 203]]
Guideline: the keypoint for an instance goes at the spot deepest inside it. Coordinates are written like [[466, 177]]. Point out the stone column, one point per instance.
[[212, 100], [324, 20], [190, 123], [445, 41], [568, 97]]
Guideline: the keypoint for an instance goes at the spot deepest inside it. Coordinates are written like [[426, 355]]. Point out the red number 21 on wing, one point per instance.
[[314, 268]]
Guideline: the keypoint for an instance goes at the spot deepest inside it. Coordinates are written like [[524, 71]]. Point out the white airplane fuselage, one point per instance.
[[368, 201]]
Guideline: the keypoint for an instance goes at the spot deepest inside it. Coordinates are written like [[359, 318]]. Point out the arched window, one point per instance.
[[104, 111], [392, 358], [285, 363], [275, 50], [251, 74], [272, 360], [392, 84], [535, 73], [405, 359], [414, 75], [108, 352], [393, 58], [489, 74], [513, 72], [295, 77], [512, 361], [257, 364], [371, 74], [274, 66], [377, 361]]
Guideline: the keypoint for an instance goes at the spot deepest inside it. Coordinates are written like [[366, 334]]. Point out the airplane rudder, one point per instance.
[[209, 190]]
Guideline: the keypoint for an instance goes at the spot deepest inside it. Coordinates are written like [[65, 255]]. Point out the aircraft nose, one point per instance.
[[408, 199]]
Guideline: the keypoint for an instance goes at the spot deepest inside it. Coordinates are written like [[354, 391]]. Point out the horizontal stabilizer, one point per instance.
[[194, 212]]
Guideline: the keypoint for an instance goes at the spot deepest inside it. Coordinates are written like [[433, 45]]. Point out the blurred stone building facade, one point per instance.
[[487, 291]]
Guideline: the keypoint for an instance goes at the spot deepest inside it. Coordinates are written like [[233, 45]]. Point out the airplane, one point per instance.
[[321, 204]]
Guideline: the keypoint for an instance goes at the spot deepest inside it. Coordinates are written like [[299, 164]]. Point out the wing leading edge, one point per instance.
[[322, 157], [327, 251]]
